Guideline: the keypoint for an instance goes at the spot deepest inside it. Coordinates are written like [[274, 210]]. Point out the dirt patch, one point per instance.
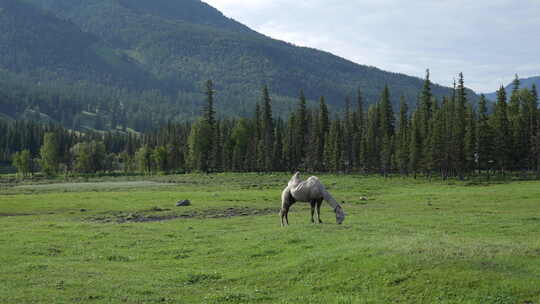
[[143, 217], [14, 214], [92, 186]]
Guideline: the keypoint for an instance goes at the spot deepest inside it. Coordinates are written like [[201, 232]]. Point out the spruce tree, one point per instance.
[[301, 129], [334, 147], [402, 140], [435, 153], [387, 129], [514, 119], [533, 124], [240, 135], [359, 136], [484, 137], [470, 140], [348, 136], [217, 148], [289, 143], [278, 146], [323, 129], [426, 105], [387, 119], [459, 131], [415, 146], [268, 131], [209, 115], [373, 139], [500, 124]]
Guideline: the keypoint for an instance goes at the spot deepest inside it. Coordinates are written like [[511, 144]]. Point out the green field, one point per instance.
[[123, 241]]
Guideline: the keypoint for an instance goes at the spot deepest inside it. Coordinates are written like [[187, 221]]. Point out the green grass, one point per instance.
[[410, 242]]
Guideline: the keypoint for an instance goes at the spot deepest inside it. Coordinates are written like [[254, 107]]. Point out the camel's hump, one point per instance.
[[313, 178]]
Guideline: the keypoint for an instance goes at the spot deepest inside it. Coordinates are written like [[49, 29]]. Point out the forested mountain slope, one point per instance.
[[150, 58], [524, 83], [43, 46]]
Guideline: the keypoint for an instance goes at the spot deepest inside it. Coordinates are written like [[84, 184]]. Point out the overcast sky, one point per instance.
[[488, 40]]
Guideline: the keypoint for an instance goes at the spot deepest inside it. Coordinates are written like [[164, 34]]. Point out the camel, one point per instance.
[[311, 191]]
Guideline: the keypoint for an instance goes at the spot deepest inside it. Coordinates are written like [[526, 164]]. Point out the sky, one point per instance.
[[488, 40]]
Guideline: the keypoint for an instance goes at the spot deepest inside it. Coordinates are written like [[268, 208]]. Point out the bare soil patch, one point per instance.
[[13, 214], [144, 217]]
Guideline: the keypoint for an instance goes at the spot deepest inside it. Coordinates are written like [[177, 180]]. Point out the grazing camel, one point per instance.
[[311, 191]]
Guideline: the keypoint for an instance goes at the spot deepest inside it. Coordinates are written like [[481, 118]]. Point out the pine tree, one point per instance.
[[289, 142], [387, 129], [301, 130], [240, 136], [426, 106], [334, 147], [415, 146], [470, 140], [402, 140], [536, 150], [459, 131], [268, 131], [533, 125], [359, 136], [500, 125], [278, 147], [435, 153], [484, 137], [387, 119], [447, 108], [348, 139], [217, 148], [256, 155], [373, 139], [209, 116], [323, 129]]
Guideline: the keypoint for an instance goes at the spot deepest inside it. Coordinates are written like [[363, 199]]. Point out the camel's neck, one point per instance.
[[330, 200]]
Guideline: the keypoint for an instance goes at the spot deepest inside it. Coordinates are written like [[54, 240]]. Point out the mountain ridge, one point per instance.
[[170, 48], [524, 83]]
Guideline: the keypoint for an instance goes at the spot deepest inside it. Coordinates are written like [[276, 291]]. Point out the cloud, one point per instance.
[[488, 40]]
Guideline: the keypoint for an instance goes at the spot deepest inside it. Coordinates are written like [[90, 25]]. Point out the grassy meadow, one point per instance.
[[123, 240]]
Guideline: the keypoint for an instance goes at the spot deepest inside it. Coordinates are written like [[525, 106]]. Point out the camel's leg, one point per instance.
[[284, 214], [313, 203], [319, 203]]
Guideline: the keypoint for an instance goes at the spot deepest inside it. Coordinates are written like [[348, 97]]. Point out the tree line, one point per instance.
[[449, 137]]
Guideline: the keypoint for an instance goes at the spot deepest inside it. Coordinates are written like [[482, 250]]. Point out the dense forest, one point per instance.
[[76, 62], [445, 137]]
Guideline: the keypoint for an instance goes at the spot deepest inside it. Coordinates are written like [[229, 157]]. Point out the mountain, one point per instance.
[[524, 83], [44, 46], [157, 54]]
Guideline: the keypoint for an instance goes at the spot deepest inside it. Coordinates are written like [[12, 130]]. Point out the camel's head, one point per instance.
[[340, 215]]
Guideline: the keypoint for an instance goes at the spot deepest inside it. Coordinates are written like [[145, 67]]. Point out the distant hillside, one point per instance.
[[46, 47], [157, 54], [524, 83]]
